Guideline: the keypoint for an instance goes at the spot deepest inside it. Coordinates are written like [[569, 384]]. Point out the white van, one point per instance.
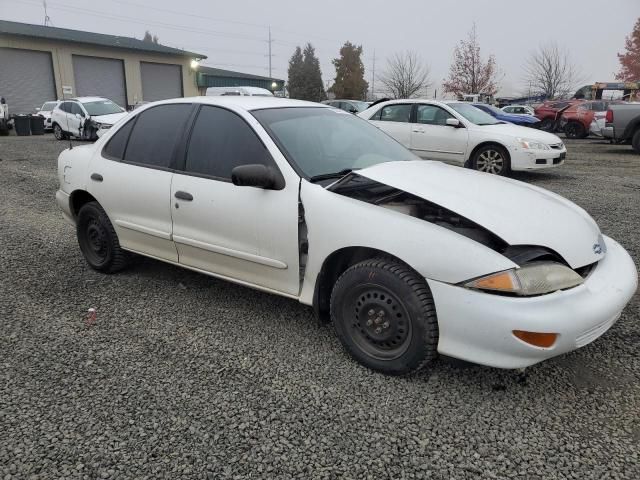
[[238, 91]]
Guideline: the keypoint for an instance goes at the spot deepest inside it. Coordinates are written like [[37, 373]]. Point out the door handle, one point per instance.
[[96, 177], [183, 196], [416, 130]]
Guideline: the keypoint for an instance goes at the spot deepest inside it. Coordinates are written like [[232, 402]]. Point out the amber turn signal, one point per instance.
[[536, 339]]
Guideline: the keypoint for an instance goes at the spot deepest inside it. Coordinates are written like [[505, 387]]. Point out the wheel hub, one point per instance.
[[490, 161], [380, 325]]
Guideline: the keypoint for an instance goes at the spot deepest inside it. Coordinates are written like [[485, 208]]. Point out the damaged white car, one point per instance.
[[86, 118], [408, 258]]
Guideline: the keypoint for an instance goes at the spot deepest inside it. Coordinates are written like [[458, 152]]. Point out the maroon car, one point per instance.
[[576, 120], [549, 113]]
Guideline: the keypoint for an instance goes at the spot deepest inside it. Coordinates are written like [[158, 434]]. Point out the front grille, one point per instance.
[[541, 161]]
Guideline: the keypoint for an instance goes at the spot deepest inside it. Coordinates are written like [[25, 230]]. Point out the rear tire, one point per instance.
[[574, 130], [98, 240], [384, 315], [635, 141], [59, 133]]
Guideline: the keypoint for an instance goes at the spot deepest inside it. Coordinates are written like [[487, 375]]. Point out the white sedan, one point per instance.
[[462, 134], [408, 258]]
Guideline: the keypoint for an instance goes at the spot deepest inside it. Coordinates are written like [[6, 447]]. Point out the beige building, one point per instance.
[[39, 63]]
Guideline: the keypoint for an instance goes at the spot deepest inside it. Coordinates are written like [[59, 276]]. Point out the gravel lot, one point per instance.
[[185, 376]]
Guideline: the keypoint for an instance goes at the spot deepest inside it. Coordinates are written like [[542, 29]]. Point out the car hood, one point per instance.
[[518, 213], [110, 119], [520, 131]]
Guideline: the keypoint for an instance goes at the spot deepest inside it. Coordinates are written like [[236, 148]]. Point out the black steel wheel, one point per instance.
[[384, 315], [98, 240], [547, 125], [574, 130], [491, 159]]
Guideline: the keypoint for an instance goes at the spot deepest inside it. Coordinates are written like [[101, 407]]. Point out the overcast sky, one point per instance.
[[233, 34]]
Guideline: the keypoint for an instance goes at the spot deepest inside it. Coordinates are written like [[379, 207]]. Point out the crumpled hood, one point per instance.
[[519, 213], [110, 119]]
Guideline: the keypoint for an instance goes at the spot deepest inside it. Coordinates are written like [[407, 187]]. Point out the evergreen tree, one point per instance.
[[296, 74], [349, 81], [313, 89]]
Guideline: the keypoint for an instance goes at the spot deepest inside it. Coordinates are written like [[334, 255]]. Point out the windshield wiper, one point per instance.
[[327, 176]]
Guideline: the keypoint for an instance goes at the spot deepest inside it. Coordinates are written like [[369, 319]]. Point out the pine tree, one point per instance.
[[349, 81], [313, 87], [296, 74], [630, 60]]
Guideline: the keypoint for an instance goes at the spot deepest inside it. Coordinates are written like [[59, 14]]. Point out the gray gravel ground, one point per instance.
[[185, 376]]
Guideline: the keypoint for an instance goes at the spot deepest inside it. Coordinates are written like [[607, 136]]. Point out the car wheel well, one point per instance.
[[469, 162], [332, 268], [78, 199]]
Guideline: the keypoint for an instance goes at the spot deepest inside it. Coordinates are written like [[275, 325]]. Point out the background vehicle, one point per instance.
[[523, 119], [576, 121], [85, 117], [518, 110], [288, 197], [462, 134], [45, 112], [622, 124], [351, 106], [238, 92], [4, 116], [549, 113]]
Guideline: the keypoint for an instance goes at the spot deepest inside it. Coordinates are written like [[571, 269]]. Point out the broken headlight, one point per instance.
[[533, 279]]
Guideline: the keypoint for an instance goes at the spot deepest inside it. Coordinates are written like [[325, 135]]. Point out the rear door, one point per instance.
[[432, 138], [394, 120], [131, 178]]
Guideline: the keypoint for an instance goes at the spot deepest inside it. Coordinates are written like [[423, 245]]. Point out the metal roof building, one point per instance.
[[37, 61], [215, 77]]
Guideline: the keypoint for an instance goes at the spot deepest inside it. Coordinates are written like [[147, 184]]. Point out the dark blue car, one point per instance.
[[523, 120]]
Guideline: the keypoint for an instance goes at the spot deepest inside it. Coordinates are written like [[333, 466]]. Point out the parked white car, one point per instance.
[[45, 112], [460, 133], [519, 110], [407, 257], [87, 118], [238, 92]]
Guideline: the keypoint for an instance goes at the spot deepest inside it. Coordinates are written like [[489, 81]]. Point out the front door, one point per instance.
[[433, 139], [245, 234], [131, 177]]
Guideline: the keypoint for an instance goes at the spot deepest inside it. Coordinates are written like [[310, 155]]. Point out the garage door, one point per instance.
[[100, 77], [160, 81], [26, 79]]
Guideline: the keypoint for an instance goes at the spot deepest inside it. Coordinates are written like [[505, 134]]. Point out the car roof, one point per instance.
[[88, 99], [243, 102]]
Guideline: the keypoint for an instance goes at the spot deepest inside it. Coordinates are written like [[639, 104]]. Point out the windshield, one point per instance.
[[495, 110], [48, 106], [361, 106], [101, 107], [473, 114], [321, 141]]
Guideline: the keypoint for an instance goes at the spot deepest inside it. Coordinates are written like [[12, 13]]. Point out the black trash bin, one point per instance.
[[37, 125], [22, 124]]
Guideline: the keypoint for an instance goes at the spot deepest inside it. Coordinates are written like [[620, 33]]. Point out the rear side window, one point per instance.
[[395, 113], [117, 144], [155, 134], [221, 141]]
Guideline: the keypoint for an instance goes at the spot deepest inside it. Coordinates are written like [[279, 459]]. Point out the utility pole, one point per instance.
[[270, 41], [47, 20]]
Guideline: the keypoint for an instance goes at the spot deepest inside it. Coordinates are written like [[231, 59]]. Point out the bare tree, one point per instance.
[[550, 71], [405, 75]]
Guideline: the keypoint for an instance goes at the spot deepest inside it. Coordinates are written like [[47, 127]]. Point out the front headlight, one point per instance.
[[532, 144], [533, 279]]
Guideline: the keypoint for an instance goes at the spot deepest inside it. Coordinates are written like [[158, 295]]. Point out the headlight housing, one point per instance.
[[536, 278], [529, 144]]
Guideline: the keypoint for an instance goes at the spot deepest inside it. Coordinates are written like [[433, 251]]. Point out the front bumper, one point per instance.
[[477, 327], [523, 159]]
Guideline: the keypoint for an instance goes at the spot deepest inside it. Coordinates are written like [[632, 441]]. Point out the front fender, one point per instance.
[[335, 221]]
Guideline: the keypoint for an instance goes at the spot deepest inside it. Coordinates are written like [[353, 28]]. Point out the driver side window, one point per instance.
[[432, 115]]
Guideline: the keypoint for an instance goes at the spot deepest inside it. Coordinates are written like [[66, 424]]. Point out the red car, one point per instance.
[[577, 119], [549, 113]]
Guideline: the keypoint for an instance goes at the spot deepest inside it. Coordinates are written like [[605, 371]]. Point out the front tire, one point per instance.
[[547, 125], [491, 159], [98, 240], [59, 133], [635, 141], [384, 315]]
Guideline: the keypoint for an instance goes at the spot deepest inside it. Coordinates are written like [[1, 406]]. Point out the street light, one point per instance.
[[274, 85], [194, 64]]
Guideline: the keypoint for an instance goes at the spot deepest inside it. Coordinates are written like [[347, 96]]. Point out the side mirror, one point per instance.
[[78, 115], [256, 175], [453, 122], [37, 109], [353, 110]]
